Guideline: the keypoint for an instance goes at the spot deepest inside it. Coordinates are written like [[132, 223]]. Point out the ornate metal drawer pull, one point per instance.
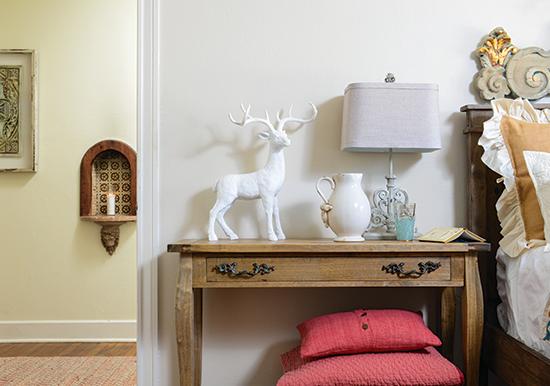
[[427, 267], [262, 269]]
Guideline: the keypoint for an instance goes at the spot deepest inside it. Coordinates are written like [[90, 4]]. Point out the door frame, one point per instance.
[[147, 193]]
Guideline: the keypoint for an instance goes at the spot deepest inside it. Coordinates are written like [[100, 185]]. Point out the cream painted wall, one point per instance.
[[52, 265], [216, 54]]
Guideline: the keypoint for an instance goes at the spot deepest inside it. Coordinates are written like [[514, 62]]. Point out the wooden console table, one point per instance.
[[325, 263]]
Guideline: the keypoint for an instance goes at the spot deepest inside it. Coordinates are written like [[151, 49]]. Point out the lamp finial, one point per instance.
[[390, 78]]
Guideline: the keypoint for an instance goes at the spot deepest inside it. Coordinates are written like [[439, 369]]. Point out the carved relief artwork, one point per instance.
[[10, 82], [109, 238], [507, 70], [528, 73]]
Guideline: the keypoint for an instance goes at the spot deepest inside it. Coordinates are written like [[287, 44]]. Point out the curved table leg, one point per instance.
[[197, 332], [472, 319], [188, 324], [448, 320]]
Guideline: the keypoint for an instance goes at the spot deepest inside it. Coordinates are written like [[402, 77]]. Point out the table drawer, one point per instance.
[[231, 269]]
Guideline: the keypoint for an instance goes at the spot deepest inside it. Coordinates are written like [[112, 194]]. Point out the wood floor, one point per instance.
[[85, 349]]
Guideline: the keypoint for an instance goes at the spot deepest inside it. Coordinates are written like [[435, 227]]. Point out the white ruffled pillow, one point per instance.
[[538, 163], [497, 158]]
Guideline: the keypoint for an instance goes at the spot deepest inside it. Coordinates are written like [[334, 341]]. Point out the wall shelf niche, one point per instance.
[[108, 169]]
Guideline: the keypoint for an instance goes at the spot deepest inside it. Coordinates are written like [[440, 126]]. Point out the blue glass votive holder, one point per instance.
[[404, 221]]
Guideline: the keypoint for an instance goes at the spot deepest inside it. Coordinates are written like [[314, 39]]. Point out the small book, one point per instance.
[[446, 235]]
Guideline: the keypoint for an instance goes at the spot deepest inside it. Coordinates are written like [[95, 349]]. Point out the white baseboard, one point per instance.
[[68, 331]]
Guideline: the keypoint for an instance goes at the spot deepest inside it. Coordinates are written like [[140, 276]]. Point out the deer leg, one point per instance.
[[228, 231], [278, 228], [217, 213], [268, 207], [212, 221]]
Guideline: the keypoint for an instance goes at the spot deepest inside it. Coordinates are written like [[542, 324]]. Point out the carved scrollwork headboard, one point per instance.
[[507, 70]]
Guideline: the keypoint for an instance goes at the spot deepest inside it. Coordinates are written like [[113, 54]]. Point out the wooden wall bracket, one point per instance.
[[109, 166]]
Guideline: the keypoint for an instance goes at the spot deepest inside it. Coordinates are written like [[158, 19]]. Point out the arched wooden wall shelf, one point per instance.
[[108, 168]]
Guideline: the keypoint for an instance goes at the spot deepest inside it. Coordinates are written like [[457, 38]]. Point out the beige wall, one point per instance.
[[52, 265], [216, 54]]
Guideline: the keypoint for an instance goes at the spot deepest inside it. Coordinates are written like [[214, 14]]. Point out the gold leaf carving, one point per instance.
[[497, 47]]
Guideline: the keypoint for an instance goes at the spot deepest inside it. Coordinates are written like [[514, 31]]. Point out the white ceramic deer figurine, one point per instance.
[[264, 184]]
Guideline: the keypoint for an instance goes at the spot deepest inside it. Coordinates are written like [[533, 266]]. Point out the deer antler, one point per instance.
[[248, 119], [290, 118]]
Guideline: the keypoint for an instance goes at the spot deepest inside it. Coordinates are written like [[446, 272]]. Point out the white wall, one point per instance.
[[216, 54]]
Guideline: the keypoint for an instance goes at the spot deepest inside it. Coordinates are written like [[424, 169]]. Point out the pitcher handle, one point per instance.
[[332, 186], [325, 206]]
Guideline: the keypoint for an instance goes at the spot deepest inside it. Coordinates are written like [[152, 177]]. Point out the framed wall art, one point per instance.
[[18, 111]]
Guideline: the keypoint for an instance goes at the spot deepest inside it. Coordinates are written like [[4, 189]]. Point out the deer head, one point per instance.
[[277, 135]]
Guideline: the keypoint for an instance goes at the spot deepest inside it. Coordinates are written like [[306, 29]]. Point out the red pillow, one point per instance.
[[422, 367], [362, 331]]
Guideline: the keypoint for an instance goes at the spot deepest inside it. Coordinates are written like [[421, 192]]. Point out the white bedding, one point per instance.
[[523, 284]]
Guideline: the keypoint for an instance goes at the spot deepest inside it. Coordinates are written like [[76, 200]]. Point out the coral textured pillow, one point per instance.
[[362, 331], [419, 368]]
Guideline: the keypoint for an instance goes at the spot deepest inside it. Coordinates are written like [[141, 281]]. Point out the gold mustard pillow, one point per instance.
[[520, 136]]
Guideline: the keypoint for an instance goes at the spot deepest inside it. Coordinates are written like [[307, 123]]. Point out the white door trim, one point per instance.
[[147, 194]]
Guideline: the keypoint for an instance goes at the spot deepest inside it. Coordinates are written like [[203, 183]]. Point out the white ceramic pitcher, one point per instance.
[[347, 211]]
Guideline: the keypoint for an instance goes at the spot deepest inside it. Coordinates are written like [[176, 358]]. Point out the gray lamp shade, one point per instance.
[[403, 117]]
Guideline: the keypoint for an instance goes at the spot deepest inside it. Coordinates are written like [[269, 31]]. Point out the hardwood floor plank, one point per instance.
[[77, 350], [19, 349], [50, 350], [130, 350], [6, 349], [123, 349], [108, 350], [31, 348], [95, 349], [68, 349]]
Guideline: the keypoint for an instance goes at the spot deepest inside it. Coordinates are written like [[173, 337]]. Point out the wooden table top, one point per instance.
[[324, 245]]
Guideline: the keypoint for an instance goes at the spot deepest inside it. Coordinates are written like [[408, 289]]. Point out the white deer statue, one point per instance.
[[264, 184]]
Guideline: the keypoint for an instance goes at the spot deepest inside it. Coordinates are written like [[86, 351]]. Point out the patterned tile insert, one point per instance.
[[111, 170]]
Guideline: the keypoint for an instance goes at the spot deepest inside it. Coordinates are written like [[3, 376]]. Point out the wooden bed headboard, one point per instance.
[[483, 193]]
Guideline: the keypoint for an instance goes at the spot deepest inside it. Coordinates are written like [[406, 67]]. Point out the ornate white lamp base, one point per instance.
[[378, 235], [382, 214]]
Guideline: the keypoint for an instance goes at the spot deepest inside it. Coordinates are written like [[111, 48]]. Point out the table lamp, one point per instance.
[[390, 117]]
